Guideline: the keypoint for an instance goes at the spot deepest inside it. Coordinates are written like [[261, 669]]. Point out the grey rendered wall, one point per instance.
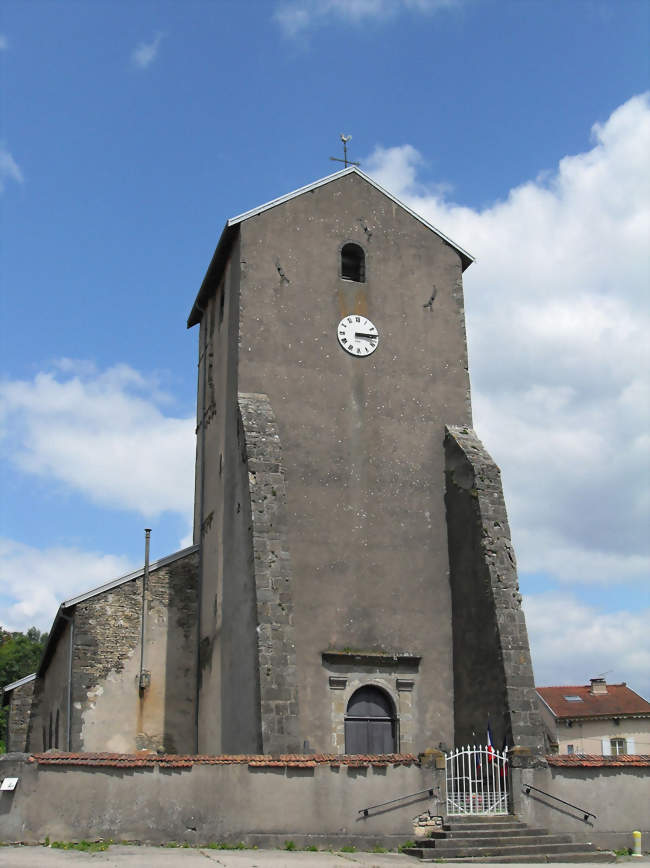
[[617, 796], [18, 717], [263, 806], [229, 714], [493, 675], [361, 438], [50, 696]]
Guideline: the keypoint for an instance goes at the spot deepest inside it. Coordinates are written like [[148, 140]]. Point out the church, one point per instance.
[[352, 586]]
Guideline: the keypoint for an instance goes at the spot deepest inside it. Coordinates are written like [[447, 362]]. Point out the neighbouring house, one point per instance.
[[595, 718]]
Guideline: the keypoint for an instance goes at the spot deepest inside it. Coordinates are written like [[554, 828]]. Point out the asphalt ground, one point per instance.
[[121, 856]]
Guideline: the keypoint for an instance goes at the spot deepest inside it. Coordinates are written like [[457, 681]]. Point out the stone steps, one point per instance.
[[501, 839]]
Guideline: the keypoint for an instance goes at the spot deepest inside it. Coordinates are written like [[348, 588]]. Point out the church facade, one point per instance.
[[352, 586]]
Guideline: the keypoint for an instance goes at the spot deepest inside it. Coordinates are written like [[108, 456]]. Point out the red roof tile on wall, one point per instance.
[[577, 760], [617, 702], [289, 761]]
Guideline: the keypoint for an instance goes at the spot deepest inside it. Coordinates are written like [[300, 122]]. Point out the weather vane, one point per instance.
[[345, 140]]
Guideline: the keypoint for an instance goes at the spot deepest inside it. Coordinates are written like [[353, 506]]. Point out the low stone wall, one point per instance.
[[615, 789], [259, 800], [266, 801]]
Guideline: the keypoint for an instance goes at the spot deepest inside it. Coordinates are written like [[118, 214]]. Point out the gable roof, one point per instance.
[[619, 701], [222, 251]]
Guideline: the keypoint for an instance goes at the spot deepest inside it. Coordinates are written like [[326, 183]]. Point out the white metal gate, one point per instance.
[[477, 781]]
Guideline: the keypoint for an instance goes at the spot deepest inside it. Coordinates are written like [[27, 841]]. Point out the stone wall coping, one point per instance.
[[579, 760], [145, 759]]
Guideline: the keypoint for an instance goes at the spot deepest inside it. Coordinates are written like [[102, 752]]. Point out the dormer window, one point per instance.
[[353, 263]]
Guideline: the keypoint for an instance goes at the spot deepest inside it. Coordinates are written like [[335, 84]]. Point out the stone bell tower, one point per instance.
[[358, 585]]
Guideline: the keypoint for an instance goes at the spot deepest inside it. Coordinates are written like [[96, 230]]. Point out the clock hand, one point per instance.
[[363, 335]]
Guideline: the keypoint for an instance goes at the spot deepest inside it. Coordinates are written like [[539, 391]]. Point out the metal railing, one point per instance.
[[526, 788], [429, 790]]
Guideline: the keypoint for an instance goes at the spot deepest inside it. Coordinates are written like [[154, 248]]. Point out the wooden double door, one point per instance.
[[370, 722]]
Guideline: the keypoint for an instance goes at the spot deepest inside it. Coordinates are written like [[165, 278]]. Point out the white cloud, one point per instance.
[[571, 642], [9, 168], [297, 16], [557, 314], [146, 52], [4, 42], [102, 434], [39, 580]]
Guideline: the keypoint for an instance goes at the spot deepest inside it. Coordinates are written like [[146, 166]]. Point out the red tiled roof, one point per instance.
[[619, 701], [173, 761], [594, 761]]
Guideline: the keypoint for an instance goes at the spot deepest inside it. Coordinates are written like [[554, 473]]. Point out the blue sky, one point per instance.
[[131, 132]]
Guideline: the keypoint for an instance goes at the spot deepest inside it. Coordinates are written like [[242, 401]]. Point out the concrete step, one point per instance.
[[519, 831], [447, 844], [587, 856], [492, 852], [483, 818], [453, 826]]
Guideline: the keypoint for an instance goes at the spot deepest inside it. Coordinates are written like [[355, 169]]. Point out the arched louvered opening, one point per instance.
[[353, 263], [370, 722]]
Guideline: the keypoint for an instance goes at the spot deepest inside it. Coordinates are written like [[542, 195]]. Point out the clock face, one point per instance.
[[357, 335]]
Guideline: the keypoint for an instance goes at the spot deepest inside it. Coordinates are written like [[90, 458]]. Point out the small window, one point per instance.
[[222, 298], [353, 263], [618, 746], [573, 698], [569, 748]]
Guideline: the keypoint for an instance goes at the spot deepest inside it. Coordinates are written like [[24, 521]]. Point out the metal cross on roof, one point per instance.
[[345, 140]]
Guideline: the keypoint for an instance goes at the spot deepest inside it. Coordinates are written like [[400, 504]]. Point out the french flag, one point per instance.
[[490, 748]]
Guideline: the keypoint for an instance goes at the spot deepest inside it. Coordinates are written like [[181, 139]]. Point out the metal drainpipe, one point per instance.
[[202, 359], [143, 681]]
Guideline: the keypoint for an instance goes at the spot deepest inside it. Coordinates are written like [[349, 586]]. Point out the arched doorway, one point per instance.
[[370, 723]]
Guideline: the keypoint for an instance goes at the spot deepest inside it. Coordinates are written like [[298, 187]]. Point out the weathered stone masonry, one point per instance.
[[106, 629], [19, 711], [272, 565], [493, 675]]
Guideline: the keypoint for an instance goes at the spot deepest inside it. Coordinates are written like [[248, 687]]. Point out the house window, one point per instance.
[[353, 263], [569, 748], [618, 746]]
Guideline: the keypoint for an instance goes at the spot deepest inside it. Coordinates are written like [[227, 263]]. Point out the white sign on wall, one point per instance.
[[9, 784]]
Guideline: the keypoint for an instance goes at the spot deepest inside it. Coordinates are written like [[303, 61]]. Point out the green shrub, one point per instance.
[[84, 846], [406, 845]]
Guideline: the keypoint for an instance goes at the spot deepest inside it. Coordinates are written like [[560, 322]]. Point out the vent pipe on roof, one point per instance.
[[145, 677], [598, 686]]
